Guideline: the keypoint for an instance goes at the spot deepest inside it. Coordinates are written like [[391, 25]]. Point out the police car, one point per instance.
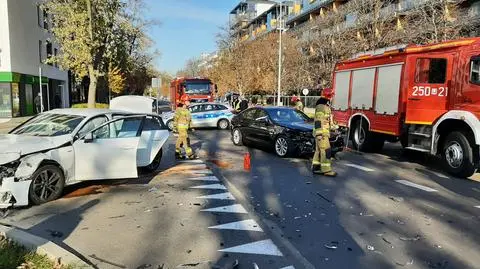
[[205, 115]]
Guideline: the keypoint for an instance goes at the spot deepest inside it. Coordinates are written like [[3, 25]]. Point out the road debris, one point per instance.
[[153, 189], [405, 264], [415, 238], [55, 233], [93, 256], [371, 248], [324, 198], [255, 266], [144, 266], [332, 245], [396, 199], [386, 241], [117, 217]]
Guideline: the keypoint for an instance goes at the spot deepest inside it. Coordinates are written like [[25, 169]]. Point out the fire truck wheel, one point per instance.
[[458, 155], [364, 140]]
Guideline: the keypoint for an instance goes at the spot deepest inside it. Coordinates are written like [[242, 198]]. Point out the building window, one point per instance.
[[39, 16], [5, 100], [55, 52], [475, 70], [45, 19], [49, 51], [431, 70], [40, 48]]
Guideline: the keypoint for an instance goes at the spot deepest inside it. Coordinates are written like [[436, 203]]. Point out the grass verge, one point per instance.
[[14, 256]]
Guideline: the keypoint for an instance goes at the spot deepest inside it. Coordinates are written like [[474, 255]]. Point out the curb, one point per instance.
[[42, 246]]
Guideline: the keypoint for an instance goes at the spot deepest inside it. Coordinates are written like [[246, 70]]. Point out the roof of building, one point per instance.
[[245, 2]]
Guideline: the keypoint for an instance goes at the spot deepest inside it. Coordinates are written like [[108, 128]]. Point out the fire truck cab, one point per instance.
[[198, 89], [427, 97]]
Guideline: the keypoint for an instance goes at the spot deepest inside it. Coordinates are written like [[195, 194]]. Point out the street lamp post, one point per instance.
[[279, 87]]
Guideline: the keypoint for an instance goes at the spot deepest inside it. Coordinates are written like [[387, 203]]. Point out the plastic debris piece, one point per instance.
[[153, 189], [438, 246], [297, 217], [332, 245], [371, 248]]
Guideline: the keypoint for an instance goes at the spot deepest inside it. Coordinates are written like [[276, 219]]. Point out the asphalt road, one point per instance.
[[386, 210]]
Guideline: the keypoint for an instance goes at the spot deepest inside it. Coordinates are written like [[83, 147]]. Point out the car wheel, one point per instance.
[[458, 155], [237, 137], [155, 163], [47, 184], [223, 124], [283, 147]]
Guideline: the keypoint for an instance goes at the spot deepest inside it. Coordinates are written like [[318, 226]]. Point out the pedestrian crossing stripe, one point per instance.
[[478, 206], [219, 196], [210, 187], [209, 178], [244, 225], [264, 247], [238, 208]]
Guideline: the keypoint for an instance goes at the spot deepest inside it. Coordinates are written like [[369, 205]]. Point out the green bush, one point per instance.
[[97, 105]]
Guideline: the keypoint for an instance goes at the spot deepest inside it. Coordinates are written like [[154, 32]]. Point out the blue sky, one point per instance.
[[187, 28]]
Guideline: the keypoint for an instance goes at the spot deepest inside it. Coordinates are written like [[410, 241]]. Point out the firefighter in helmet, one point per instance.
[[298, 103], [322, 126], [181, 122]]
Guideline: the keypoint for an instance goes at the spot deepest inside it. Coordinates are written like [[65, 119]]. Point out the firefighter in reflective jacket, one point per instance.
[[181, 122], [323, 125]]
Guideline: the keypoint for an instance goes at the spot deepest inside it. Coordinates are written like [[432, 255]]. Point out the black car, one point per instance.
[[288, 131]]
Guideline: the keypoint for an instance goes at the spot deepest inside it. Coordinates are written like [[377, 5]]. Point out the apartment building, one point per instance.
[[25, 44], [253, 18], [305, 11]]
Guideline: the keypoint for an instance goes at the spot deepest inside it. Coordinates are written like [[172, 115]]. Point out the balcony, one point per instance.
[[308, 9]]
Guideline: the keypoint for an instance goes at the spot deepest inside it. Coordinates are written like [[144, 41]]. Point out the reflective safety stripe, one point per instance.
[[325, 164], [316, 163]]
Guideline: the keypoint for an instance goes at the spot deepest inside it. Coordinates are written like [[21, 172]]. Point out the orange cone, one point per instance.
[[246, 161]]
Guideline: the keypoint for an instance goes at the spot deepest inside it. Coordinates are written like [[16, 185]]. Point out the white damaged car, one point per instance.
[[66, 146]]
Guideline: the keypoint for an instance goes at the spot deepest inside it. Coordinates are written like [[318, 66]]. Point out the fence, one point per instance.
[[308, 101]]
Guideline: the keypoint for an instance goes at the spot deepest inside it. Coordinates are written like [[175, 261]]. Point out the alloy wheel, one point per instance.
[[281, 146], [46, 184]]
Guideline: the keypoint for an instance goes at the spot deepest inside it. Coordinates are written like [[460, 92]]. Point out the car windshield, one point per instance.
[[50, 125], [287, 115], [197, 88]]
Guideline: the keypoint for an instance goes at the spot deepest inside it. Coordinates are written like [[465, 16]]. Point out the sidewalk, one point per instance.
[[8, 124]]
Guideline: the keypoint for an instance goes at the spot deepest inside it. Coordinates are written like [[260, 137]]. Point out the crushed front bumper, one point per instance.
[[13, 193], [307, 146]]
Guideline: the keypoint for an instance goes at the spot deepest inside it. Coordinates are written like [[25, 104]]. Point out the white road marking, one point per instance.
[[363, 168], [200, 172], [438, 174], [411, 184], [192, 161], [478, 206], [264, 247], [210, 187], [209, 178], [288, 267], [238, 208], [244, 225], [219, 196]]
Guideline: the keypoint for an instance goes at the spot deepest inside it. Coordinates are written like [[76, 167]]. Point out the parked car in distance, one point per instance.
[[66, 146], [288, 131], [205, 115]]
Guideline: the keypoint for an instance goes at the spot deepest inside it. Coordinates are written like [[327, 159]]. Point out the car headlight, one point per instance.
[[8, 170]]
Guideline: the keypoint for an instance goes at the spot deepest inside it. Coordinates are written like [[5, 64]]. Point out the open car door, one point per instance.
[[109, 151]]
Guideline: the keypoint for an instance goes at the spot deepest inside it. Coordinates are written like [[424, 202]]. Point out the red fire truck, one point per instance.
[[427, 97], [198, 89]]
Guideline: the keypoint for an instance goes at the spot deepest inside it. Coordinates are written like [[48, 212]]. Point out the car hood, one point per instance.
[[13, 147], [300, 126]]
